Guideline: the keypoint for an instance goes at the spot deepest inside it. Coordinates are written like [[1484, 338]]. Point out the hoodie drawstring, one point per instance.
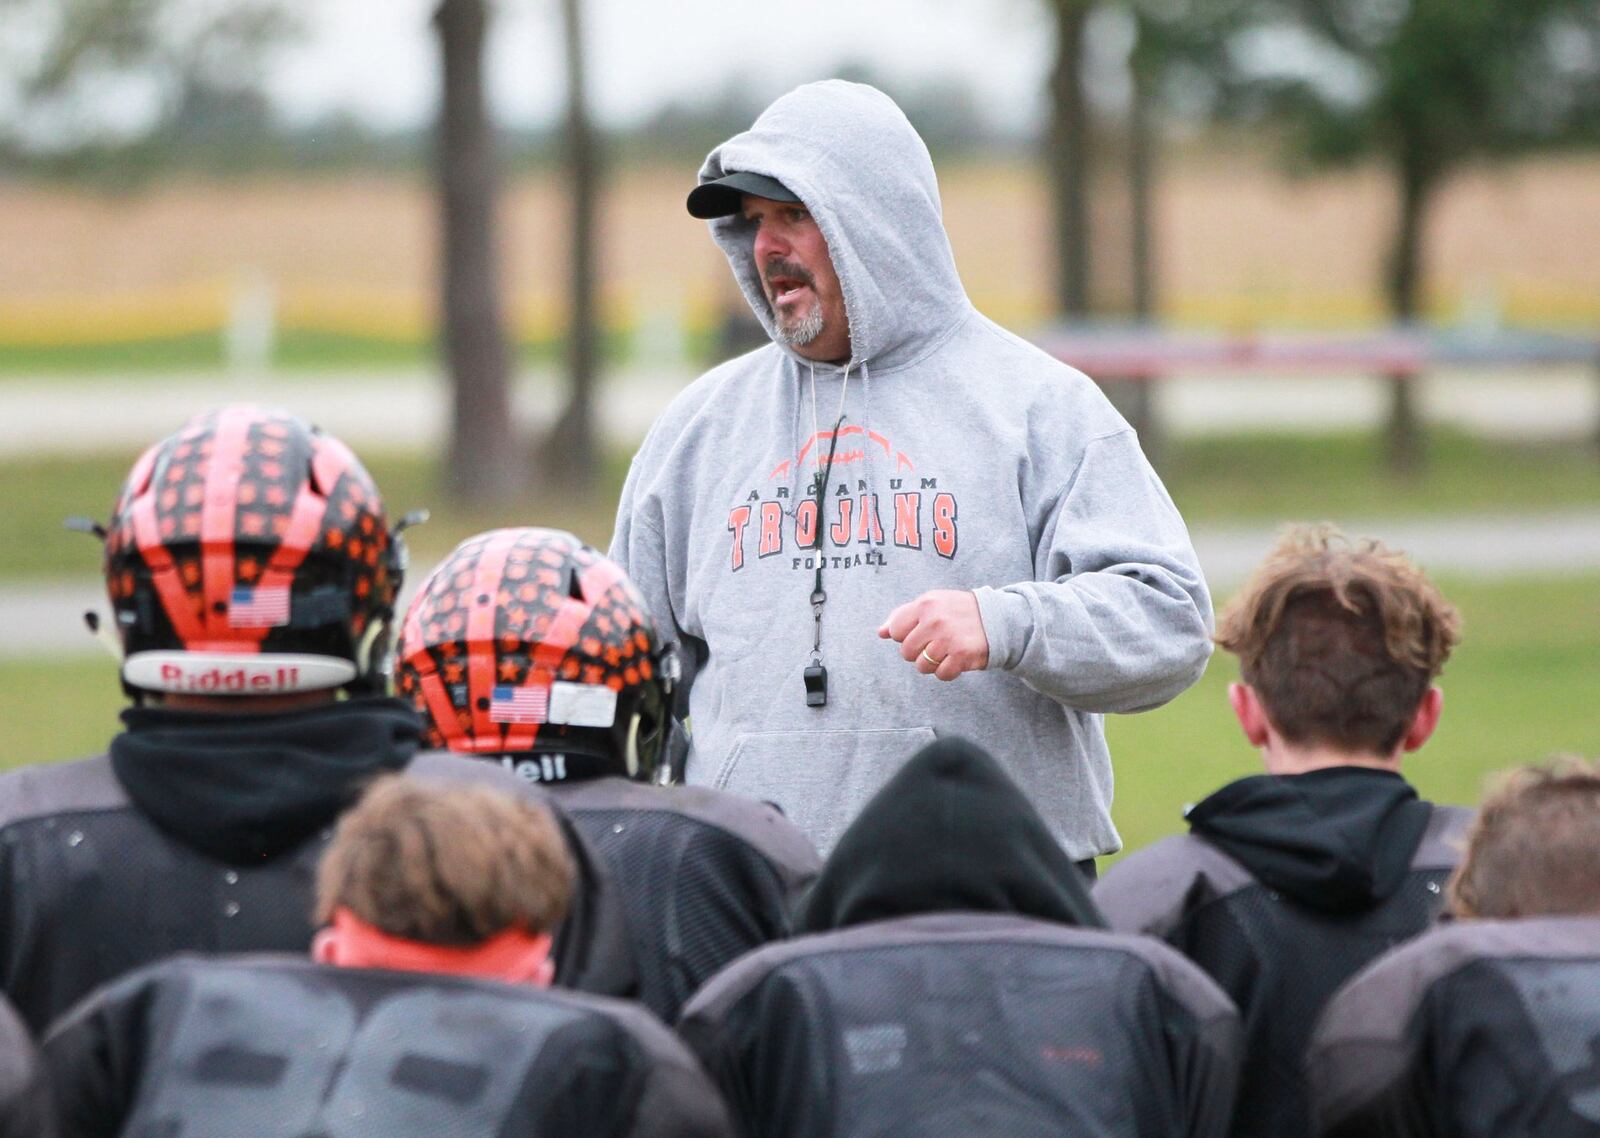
[[872, 502]]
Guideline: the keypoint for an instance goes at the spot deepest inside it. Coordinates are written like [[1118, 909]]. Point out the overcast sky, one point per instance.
[[378, 57]]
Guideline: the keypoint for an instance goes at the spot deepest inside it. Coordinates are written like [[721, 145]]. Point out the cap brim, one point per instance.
[[725, 195]]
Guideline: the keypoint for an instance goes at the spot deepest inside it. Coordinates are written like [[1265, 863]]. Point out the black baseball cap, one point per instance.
[[725, 195]]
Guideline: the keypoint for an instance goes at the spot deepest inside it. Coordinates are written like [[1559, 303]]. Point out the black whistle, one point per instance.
[[816, 677]]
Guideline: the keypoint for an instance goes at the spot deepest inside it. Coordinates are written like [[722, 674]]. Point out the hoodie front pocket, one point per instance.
[[819, 779]]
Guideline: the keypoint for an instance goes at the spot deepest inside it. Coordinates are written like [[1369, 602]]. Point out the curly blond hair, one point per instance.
[[1340, 638]]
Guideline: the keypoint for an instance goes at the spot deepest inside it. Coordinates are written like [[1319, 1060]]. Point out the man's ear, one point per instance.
[[1425, 720], [325, 947], [1247, 709]]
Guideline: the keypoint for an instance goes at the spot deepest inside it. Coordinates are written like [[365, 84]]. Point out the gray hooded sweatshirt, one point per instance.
[[968, 459]]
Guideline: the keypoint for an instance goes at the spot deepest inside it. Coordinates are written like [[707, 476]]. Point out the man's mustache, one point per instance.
[[791, 269]]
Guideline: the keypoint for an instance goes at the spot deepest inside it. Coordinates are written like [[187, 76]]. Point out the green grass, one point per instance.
[[1214, 480], [38, 493], [115, 360], [296, 349], [1520, 688], [58, 708], [1340, 475]]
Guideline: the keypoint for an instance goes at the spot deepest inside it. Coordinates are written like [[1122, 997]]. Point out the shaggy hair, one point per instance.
[[1535, 847], [1339, 638], [446, 865]]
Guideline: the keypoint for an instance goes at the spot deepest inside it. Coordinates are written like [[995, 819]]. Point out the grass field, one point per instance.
[[40, 492], [1520, 687], [1214, 480]]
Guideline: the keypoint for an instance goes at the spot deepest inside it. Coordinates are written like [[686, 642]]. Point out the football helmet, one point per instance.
[[249, 554], [530, 646]]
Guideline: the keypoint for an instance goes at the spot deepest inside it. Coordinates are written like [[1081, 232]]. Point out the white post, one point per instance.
[[252, 329]]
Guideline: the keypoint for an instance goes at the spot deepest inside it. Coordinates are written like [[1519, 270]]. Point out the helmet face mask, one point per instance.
[[249, 554], [529, 646]]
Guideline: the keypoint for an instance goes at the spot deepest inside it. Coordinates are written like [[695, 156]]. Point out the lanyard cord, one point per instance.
[[818, 596]]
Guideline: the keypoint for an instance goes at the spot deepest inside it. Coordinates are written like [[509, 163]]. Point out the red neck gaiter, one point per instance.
[[514, 956]]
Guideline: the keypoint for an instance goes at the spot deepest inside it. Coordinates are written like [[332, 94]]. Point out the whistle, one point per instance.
[[816, 677]]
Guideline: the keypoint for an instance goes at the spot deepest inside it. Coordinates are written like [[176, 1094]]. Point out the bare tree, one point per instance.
[[571, 454], [1067, 158], [483, 463], [1443, 83], [199, 68]]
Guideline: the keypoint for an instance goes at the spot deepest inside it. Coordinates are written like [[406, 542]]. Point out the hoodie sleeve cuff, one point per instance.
[[1005, 622]]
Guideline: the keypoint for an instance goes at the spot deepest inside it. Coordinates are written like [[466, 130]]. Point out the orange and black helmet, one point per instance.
[[249, 554], [529, 646]]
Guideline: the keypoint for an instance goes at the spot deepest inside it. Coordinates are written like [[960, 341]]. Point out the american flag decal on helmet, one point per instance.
[[509, 704], [264, 606]]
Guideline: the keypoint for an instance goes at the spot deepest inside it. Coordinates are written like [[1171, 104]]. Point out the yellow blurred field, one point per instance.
[[1239, 244]]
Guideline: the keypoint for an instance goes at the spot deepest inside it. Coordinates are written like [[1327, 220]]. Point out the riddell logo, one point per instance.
[[229, 681], [234, 673]]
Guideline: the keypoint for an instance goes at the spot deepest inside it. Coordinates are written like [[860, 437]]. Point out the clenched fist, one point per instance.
[[940, 632]]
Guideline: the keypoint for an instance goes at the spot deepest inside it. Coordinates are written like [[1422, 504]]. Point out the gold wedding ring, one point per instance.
[[930, 659]]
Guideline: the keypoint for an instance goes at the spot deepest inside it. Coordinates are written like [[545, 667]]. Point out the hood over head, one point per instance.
[[861, 169], [949, 832], [245, 788], [1339, 840]]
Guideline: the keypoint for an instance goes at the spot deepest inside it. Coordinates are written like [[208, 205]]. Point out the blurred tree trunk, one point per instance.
[[1403, 276], [571, 455], [483, 463], [1141, 409], [1067, 147], [1142, 176]]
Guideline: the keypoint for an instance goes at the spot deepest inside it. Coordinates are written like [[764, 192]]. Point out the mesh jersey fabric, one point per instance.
[[1280, 962], [950, 1040], [91, 888], [92, 894], [26, 1110], [696, 895], [286, 1049], [1513, 1049], [1478, 1029]]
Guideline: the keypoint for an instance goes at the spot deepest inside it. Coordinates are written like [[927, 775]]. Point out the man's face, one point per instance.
[[798, 278]]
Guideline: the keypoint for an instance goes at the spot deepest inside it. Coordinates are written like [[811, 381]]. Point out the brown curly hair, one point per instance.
[[1339, 638], [1535, 847]]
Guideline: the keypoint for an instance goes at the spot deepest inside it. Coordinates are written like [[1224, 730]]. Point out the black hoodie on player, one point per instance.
[[1285, 886], [201, 832], [958, 981]]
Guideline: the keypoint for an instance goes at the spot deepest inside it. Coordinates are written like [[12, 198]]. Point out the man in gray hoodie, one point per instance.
[[895, 467]]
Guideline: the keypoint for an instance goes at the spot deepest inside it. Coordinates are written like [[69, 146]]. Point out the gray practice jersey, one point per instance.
[[957, 1025], [1485, 1029], [705, 876], [283, 1048], [91, 888], [1279, 961]]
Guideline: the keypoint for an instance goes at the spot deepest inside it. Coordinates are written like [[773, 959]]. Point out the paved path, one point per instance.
[[394, 408], [409, 408], [47, 618]]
